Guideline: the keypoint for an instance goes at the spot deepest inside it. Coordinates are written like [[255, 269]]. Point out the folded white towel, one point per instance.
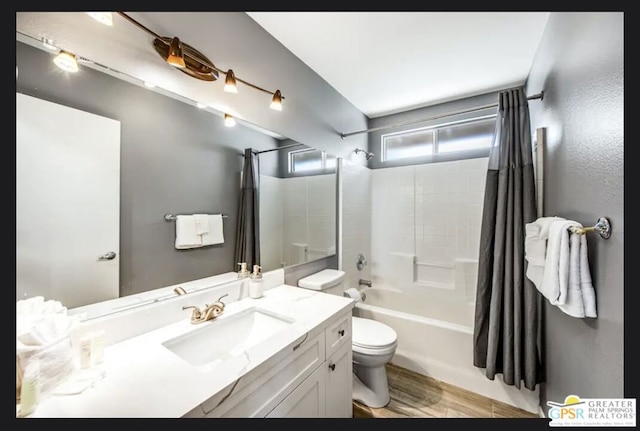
[[186, 232], [202, 223], [535, 247], [555, 279], [586, 287], [573, 304], [215, 233]]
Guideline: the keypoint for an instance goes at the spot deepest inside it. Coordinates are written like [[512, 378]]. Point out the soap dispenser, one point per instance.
[[255, 282], [244, 272]]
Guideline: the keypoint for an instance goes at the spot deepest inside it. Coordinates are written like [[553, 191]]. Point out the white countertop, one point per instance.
[[145, 379]]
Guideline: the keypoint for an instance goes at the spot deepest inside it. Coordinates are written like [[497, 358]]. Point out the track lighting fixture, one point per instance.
[[276, 101], [230, 85], [175, 57], [195, 64], [229, 121], [66, 61]]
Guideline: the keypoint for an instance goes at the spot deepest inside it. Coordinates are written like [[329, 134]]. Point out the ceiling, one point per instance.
[[382, 62], [388, 62]]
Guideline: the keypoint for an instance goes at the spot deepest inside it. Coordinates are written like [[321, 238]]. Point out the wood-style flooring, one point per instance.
[[416, 396]]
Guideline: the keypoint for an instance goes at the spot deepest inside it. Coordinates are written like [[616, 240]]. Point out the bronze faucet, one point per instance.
[[209, 312]]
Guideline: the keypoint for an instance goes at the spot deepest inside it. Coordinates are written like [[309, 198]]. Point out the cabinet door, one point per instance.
[[306, 401], [339, 380]]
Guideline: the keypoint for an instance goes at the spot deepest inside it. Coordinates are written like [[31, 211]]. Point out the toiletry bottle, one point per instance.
[[255, 282], [244, 272], [243, 275]]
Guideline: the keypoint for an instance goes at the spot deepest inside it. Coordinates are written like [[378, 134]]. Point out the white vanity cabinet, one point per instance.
[[313, 379]]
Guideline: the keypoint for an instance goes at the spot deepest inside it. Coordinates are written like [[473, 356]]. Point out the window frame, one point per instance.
[[436, 156], [323, 162]]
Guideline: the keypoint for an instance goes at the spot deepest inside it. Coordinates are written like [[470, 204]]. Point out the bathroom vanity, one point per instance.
[[287, 354]]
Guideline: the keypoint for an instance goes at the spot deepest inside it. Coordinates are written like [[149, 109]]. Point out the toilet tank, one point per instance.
[[328, 281]]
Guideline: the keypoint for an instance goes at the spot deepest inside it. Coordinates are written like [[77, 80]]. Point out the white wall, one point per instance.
[[297, 219], [426, 225], [355, 201]]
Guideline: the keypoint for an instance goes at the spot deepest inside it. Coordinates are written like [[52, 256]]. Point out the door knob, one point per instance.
[[108, 256]]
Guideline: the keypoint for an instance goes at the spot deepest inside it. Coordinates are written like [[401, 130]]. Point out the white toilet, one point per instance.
[[373, 343]]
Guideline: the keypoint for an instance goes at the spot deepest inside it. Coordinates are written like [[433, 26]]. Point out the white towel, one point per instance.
[[573, 304], [555, 279], [535, 247], [215, 233], [186, 232], [202, 223], [586, 287]]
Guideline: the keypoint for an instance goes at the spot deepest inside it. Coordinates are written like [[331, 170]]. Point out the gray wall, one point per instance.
[[579, 64], [314, 113], [175, 158]]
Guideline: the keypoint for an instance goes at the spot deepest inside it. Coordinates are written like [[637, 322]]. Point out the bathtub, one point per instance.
[[435, 338]]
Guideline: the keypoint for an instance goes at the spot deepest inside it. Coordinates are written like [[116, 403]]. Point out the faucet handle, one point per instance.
[[219, 301], [196, 314]]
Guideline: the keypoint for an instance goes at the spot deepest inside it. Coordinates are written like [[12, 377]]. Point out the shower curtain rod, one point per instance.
[[278, 148], [435, 117]]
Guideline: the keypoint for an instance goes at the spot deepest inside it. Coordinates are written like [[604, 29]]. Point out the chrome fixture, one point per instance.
[[368, 154], [361, 262], [180, 291], [362, 282], [209, 312], [603, 227], [110, 255]]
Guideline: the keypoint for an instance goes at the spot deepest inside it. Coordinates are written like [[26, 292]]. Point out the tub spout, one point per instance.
[[362, 282]]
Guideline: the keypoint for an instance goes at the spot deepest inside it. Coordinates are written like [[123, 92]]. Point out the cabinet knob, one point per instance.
[[332, 367], [341, 332]]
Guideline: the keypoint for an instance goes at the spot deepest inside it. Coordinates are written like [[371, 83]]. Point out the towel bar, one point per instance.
[[603, 227], [172, 217]]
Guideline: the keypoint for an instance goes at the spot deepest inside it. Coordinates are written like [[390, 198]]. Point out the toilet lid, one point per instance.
[[372, 334]]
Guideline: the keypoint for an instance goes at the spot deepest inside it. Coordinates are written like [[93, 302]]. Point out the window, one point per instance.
[[310, 160], [465, 136]]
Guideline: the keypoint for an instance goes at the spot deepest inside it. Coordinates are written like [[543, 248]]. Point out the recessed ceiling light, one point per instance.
[[201, 105], [229, 121], [66, 61], [149, 84], [102, 17]]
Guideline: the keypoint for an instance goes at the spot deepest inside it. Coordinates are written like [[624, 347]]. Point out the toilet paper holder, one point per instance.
[[354, 293]]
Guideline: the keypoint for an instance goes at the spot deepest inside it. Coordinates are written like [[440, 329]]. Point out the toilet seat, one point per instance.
[[372, 337]]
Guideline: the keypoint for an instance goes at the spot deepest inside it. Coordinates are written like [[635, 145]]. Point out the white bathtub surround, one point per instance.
[[425, 240], [298, 214], [145, 379], [354, 200]]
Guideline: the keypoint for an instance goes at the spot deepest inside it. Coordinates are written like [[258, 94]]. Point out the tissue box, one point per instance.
[[56, 364]]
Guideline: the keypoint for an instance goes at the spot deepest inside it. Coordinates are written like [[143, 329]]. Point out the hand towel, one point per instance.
[[555, 279], [535, 248], [215, 233], [202, 223], [186, 232], [586, 287], [573, 304]]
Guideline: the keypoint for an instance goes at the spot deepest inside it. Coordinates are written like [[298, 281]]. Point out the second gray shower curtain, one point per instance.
[[248, 230]]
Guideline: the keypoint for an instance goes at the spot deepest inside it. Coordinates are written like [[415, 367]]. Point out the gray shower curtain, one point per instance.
[[248, 230], [507, 327]]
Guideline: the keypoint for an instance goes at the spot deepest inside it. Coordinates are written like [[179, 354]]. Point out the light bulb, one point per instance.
[[229, 121], [66, 61]]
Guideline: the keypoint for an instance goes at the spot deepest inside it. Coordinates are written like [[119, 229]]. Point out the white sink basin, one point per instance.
[[226, 337]]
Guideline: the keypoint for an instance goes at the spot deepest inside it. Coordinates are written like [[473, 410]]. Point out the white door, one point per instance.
[[67, 203]]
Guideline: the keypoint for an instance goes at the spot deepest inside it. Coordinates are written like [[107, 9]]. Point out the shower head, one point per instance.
[[368, 154]]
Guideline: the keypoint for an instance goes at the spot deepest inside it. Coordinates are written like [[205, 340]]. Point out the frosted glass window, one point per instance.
[[405, 145], [469, 136], [310, 160]]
